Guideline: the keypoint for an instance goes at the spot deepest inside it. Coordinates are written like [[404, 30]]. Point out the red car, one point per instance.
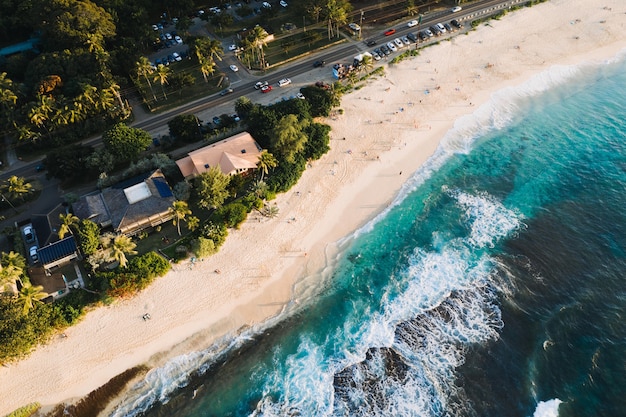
[[390, 32], [266, 88]]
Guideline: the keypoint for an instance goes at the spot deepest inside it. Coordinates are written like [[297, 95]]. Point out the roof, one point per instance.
[[47, 225], [231, 155], [57, 250], [128, 203]]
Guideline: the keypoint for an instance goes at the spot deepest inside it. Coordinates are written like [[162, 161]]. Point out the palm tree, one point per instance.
[[257, 37], [266, 161], [145, 68], [17, 187], [30, 295], [270, 211], [118, 246], [41, 111], [259, 188], [338, 11], [11, 268], [161, 74], [67, 222], [366, 64], [207, 67], [179, 210], [192, 223]]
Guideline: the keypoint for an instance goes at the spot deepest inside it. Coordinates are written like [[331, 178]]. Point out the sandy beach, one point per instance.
[[387, 130]]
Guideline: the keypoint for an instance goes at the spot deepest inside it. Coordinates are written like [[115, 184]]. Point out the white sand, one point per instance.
[[260, 263]]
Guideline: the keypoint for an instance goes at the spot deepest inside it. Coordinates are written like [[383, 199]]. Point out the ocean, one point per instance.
[[494, 285]]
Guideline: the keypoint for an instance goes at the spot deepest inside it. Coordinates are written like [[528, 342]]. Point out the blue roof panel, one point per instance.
[[57, 250]]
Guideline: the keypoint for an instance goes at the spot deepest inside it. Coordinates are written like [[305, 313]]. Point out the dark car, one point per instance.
[[456, 23], [448, 27], [370, 42], [318, 64], [412, 37], [435, 30], [385, 50], [216, 120], [226, 91]]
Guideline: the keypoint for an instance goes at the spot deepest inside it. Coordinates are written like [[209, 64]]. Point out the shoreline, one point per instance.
[[264, 262]]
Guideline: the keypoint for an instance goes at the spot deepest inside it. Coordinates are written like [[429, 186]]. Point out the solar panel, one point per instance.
[[162, 187]]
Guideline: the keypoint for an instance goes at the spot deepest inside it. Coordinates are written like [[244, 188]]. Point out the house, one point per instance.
[[237, 154], [130, 206], [51, 251]]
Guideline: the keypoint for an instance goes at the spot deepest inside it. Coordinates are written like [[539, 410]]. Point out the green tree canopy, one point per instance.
[[126, 143], [88, 237], [211, 188], [289, 138], [185, 128]]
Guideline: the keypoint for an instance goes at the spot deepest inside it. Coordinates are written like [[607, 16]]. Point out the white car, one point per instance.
[[398, 43], [412, 23], [260, 84], [234, 68], [266, 5], [168, 36], [391, 46], [232, 47], [284, 82], [283, 3], [300, 96], [354, 27], [178, 39], [177, 57], [456, 9], [28, 234], [441, 28], [33, 253], [155, 27]]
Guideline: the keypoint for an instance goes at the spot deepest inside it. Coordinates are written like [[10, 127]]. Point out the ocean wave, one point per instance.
[[548, 408]]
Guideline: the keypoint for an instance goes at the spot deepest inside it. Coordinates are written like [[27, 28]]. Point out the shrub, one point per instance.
[[233, 214], [203, 247], [217, 232]]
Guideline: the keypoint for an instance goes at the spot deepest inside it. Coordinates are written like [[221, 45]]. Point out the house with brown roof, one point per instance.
[[237, 154], [129, 206]]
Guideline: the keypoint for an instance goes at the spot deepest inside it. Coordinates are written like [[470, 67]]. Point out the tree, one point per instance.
[[207, 67], [71, 24], [243, 106], [88, 237], [212, 188], [366, 64], [126, 143], [30, 295], [117, 246], [192, 223], [266, 161], [68, 221], [255, 41], [185, 128], [161, 74], [145, 68], [12, 266], [179, 210], [69, 162], [17, 187], [289, 137], [337, 15]]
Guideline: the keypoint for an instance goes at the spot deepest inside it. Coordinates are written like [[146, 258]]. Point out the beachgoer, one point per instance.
[[400, 172]]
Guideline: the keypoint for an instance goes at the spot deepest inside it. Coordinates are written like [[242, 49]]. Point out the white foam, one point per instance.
[[548, 408]]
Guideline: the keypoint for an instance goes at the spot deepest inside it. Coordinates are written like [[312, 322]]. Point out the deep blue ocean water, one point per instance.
[[495, 285]]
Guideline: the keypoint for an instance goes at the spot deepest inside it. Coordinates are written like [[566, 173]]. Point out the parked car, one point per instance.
[[398, 43], [435, 30], [429, 33], [217, 120], [283, 3], [178, 39], [226, 91], [29, 236], [234, 68], [412, 23], [168, 36], [177, 57], [300, 96], [405, 40], [354, 27], [448, 27], [412, 37], [441, 27], [260, 84], [266, 5], [385, 50], [284, 82], [155, 27], [236, 117], [266, 88], [376, 56], [389, 32], [456, 23], [232, 47], [33, 253], [391, 46], [319, 63]]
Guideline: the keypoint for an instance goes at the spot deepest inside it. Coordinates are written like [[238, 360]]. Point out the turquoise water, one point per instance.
[[493, 286]]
